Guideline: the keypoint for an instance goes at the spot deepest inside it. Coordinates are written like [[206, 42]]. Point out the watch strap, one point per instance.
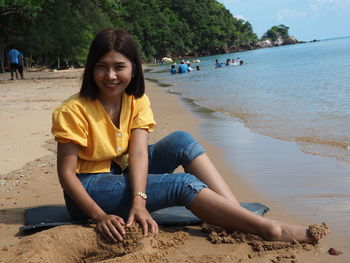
[[141, 194]]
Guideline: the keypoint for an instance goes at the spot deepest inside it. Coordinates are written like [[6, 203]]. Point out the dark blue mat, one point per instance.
[[40, 218]]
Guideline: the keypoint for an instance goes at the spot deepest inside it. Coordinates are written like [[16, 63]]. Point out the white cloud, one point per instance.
[[337, 2], [229, 1], [241, 17], [316, 5], [290, 14], [314, 8]]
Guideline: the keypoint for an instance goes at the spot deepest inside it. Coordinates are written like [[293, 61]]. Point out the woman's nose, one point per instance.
[[111, 74]]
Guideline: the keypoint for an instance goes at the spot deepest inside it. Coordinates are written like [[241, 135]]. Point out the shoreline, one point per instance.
[[171, 114], [240, 185], [256, 158]]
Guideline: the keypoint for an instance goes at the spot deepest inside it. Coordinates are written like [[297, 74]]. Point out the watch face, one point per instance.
[[143, 195]]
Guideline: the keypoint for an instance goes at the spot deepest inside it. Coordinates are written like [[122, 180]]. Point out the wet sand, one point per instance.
[[29, 179], [282, 171]]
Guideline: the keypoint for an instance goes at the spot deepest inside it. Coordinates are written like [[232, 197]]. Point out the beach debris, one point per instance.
[[334, 252], [316, 232]]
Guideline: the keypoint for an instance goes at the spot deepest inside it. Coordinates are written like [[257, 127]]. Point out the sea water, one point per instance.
[[297, 94]]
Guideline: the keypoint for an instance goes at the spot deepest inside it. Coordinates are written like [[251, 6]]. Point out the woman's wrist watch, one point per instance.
[[142, 194]]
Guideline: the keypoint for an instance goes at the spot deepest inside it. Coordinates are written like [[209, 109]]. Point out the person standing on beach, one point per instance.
[[110, 174], [21, 65], [14, 57]]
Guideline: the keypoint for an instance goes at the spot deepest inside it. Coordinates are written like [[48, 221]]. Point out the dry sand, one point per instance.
[[28, 179]]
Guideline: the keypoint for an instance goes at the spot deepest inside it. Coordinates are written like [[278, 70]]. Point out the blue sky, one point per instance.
[[306, 19]]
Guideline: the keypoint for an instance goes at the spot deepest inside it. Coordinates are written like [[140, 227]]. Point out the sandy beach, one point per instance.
[[28, 179]]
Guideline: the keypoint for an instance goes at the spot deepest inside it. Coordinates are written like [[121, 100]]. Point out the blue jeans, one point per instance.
[[111, 191]]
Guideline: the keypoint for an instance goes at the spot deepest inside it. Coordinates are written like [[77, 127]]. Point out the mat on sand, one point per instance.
[[40, 218]]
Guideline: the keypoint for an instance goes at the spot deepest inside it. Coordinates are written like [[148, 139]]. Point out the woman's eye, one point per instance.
[[119, 67], [100, 66], [103, 68]]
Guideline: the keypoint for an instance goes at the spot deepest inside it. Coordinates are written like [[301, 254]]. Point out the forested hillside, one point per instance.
[[56, 32]]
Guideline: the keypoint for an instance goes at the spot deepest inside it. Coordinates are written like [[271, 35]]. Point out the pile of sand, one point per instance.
[[77, 244], [217, 235], [316, 232], [68, 244]]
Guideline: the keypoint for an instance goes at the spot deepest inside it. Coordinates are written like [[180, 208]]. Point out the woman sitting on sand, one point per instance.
[[108, 171]]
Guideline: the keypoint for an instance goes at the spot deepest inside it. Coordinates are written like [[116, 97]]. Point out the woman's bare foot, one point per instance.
[[289, 232]]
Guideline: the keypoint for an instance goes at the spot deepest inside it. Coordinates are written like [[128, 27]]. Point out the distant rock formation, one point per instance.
[[277, 36], [278, 42]]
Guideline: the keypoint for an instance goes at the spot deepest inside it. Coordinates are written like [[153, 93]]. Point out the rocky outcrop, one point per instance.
[[265, 43], [279, 42]]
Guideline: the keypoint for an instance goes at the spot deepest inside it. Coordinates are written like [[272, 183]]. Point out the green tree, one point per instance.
[[275, 32], [58, 32]]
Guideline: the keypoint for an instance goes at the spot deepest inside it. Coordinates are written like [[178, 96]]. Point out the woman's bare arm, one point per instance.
[[111, 226], [138, 171], [67, 157]]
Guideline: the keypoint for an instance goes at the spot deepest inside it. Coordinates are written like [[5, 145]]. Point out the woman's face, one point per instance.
[[112, 74]]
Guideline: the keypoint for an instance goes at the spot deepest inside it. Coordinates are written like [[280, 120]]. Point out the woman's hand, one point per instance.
[[140, 214], [138, 169], [112, 227]]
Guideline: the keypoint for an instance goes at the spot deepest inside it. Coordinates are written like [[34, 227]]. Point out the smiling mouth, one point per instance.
[[111, 85]]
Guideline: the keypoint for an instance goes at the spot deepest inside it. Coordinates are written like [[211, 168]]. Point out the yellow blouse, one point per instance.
[[86, 123]]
